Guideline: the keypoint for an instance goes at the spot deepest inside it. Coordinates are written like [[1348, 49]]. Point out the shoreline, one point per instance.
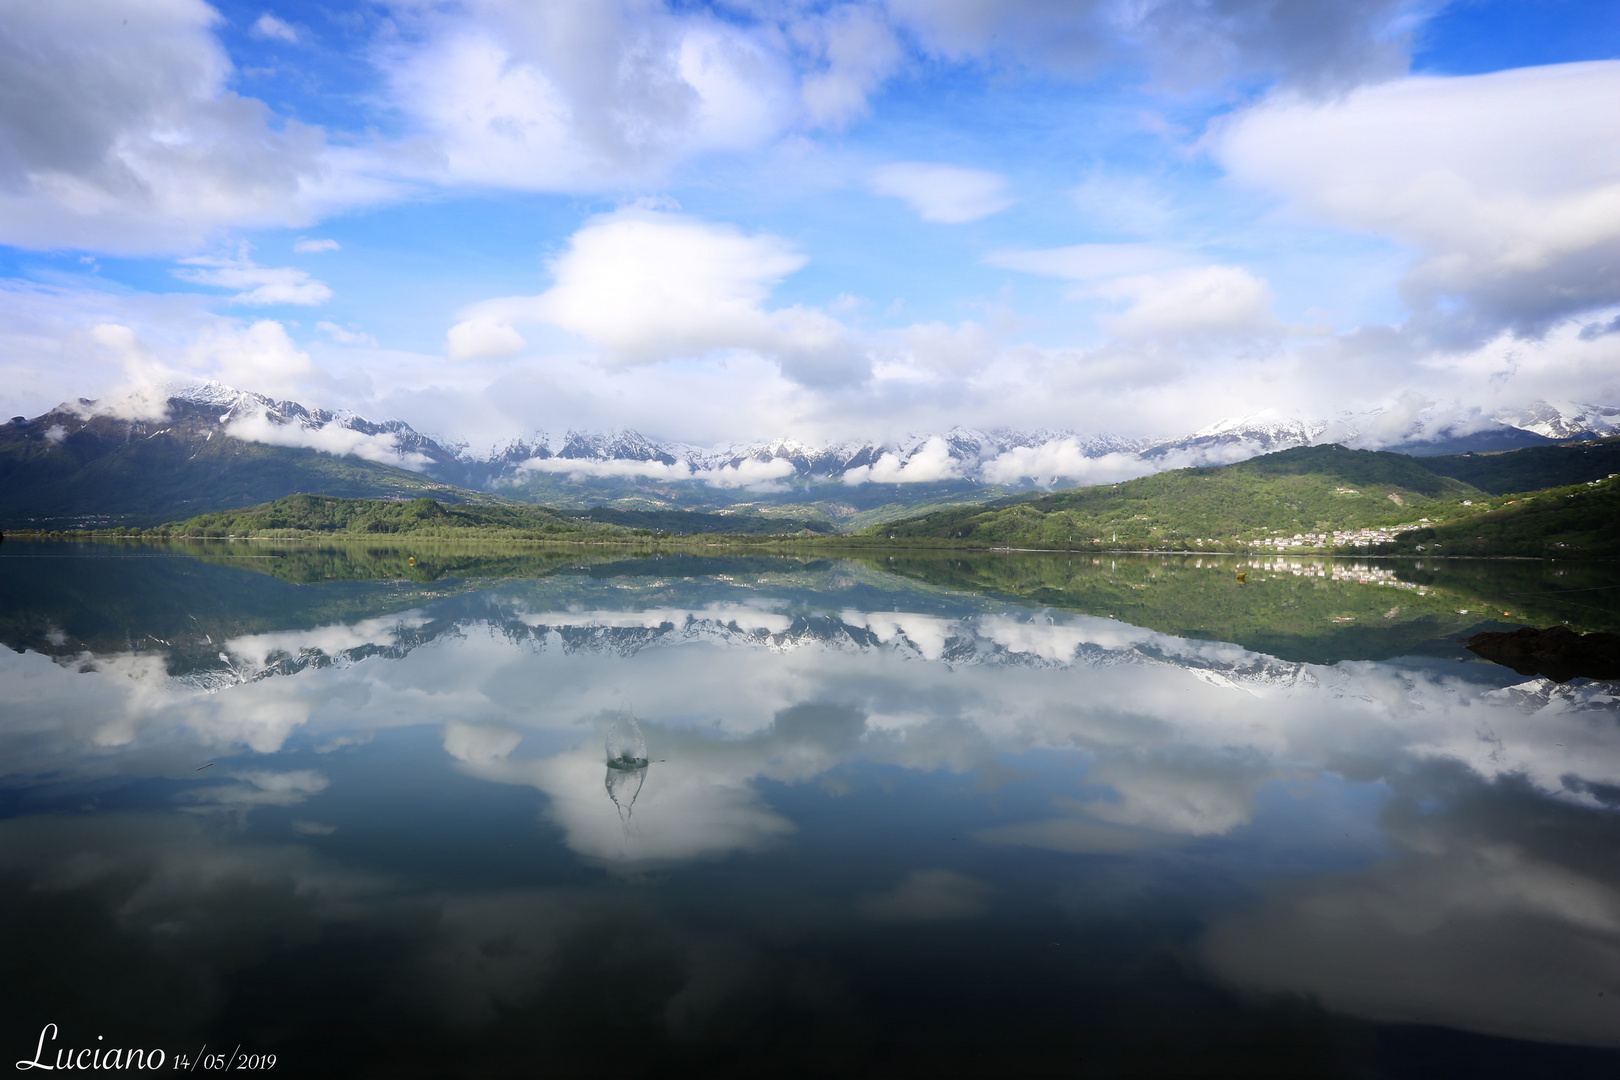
[[745, 541]]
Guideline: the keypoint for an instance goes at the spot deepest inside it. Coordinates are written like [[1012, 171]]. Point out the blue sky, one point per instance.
[[740, 221]]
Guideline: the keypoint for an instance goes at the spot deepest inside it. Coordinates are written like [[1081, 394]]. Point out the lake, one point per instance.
[[477, 810]]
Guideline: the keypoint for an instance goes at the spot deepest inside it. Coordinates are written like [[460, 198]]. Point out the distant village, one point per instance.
[[1342, 537]]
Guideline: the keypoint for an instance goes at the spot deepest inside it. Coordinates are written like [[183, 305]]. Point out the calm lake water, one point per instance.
[[1081, 816]]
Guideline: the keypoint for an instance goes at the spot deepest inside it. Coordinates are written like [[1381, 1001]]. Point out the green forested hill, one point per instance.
[[1578, 521], [99, 475], [1534, 468], [326, 516], [1316, 487]]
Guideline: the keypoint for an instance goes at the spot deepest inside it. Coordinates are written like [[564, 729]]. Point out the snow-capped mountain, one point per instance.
[[961, 456], [1565, 419]]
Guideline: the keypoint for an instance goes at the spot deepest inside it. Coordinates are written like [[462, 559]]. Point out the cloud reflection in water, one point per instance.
[[1171, 744]]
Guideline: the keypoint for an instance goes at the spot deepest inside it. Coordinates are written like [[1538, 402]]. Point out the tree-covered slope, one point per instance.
[[323, 515], [1532, 469], [1578, 521], [1315, 610], [1316, 487], [115, 472]]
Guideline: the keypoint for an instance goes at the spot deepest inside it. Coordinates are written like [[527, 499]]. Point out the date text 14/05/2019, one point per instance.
[[107, 1057]]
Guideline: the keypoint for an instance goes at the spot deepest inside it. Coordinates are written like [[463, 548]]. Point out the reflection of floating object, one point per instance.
[[626, 763], [1242, 578], [411, 561]]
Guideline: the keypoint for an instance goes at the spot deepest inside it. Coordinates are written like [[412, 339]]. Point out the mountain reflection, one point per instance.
[[1423, 839]]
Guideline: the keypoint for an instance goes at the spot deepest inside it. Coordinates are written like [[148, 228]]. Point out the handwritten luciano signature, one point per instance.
[[101, 1057]]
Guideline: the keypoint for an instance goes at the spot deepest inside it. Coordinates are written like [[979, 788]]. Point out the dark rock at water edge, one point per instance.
[[1557, 652]]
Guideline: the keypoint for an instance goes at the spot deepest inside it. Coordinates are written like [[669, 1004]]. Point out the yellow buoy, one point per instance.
[[1243, 579], [413, 560]]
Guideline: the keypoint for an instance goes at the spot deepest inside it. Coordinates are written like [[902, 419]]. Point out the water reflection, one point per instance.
[[626, 763], [1417, 840]]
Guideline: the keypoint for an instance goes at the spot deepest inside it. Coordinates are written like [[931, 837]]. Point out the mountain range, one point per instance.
[[198, 447]]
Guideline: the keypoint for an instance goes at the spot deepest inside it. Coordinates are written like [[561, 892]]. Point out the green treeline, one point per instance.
[[1581, 521], [1534, 468], [1216, 508], [323, 515], [1310, 492]]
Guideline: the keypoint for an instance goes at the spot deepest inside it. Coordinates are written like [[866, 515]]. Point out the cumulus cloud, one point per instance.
[[259, 284], [574, 95], [259, 355], [648, 286], [943, 193], [131, 142], [1510, 197], [929, 463]]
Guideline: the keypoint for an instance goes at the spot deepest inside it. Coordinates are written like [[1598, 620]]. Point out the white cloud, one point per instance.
[[333, 438], [1062, 459], [306, 246], [955, 350], [131, 142], [574, 96], [260, 284], [943, 193], [480, 743], [270, 28], [929, 463], [616, 468], [757, 475], [260, 355], [259, 788], [1186, 43], [483, 339], [1206, 301], [856, 51], [647, 286], [1510, 196], [752, 474], [650, 285]]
